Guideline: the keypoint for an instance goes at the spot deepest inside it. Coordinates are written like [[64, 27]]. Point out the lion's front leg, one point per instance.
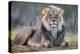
[[60, 38], [31, 43]]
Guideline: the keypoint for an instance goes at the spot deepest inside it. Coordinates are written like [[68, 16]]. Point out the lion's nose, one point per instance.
[[53, 20]]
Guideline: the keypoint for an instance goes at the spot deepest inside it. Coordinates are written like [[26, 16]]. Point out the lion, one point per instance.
[[49, 33]]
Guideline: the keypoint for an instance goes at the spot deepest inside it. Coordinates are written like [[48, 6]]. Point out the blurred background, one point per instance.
[[23, 14]]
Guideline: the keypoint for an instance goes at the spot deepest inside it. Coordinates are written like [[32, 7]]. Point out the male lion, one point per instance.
[[50, 32]]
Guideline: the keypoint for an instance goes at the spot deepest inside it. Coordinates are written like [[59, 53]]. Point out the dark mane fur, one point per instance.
[[48, 35]]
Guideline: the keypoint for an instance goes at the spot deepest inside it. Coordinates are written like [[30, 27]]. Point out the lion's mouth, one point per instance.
[[53, 23], [53, 26]]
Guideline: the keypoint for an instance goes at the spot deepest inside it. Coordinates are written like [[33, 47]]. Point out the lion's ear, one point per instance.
[[46, 10], [60, 11], [61, 15], [43, 11]]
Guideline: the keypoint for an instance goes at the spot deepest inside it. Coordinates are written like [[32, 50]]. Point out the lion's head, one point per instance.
[[52, 19]]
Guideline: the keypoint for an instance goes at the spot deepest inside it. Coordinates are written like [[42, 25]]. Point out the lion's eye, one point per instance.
[[56, 16], [50, 15]]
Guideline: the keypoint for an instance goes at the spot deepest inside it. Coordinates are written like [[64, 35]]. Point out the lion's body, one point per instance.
[[51, 31]]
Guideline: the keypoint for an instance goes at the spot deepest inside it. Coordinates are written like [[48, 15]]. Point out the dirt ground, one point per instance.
[[17, 49], [72, 40]]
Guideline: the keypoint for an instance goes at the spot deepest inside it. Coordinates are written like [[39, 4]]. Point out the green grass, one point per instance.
[[72, 40], [13, 34]]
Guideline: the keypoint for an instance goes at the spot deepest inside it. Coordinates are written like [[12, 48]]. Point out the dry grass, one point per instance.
[[72, 40]]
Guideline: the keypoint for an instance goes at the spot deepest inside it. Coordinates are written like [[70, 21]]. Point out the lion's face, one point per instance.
[[52, 17], [52, 20]]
